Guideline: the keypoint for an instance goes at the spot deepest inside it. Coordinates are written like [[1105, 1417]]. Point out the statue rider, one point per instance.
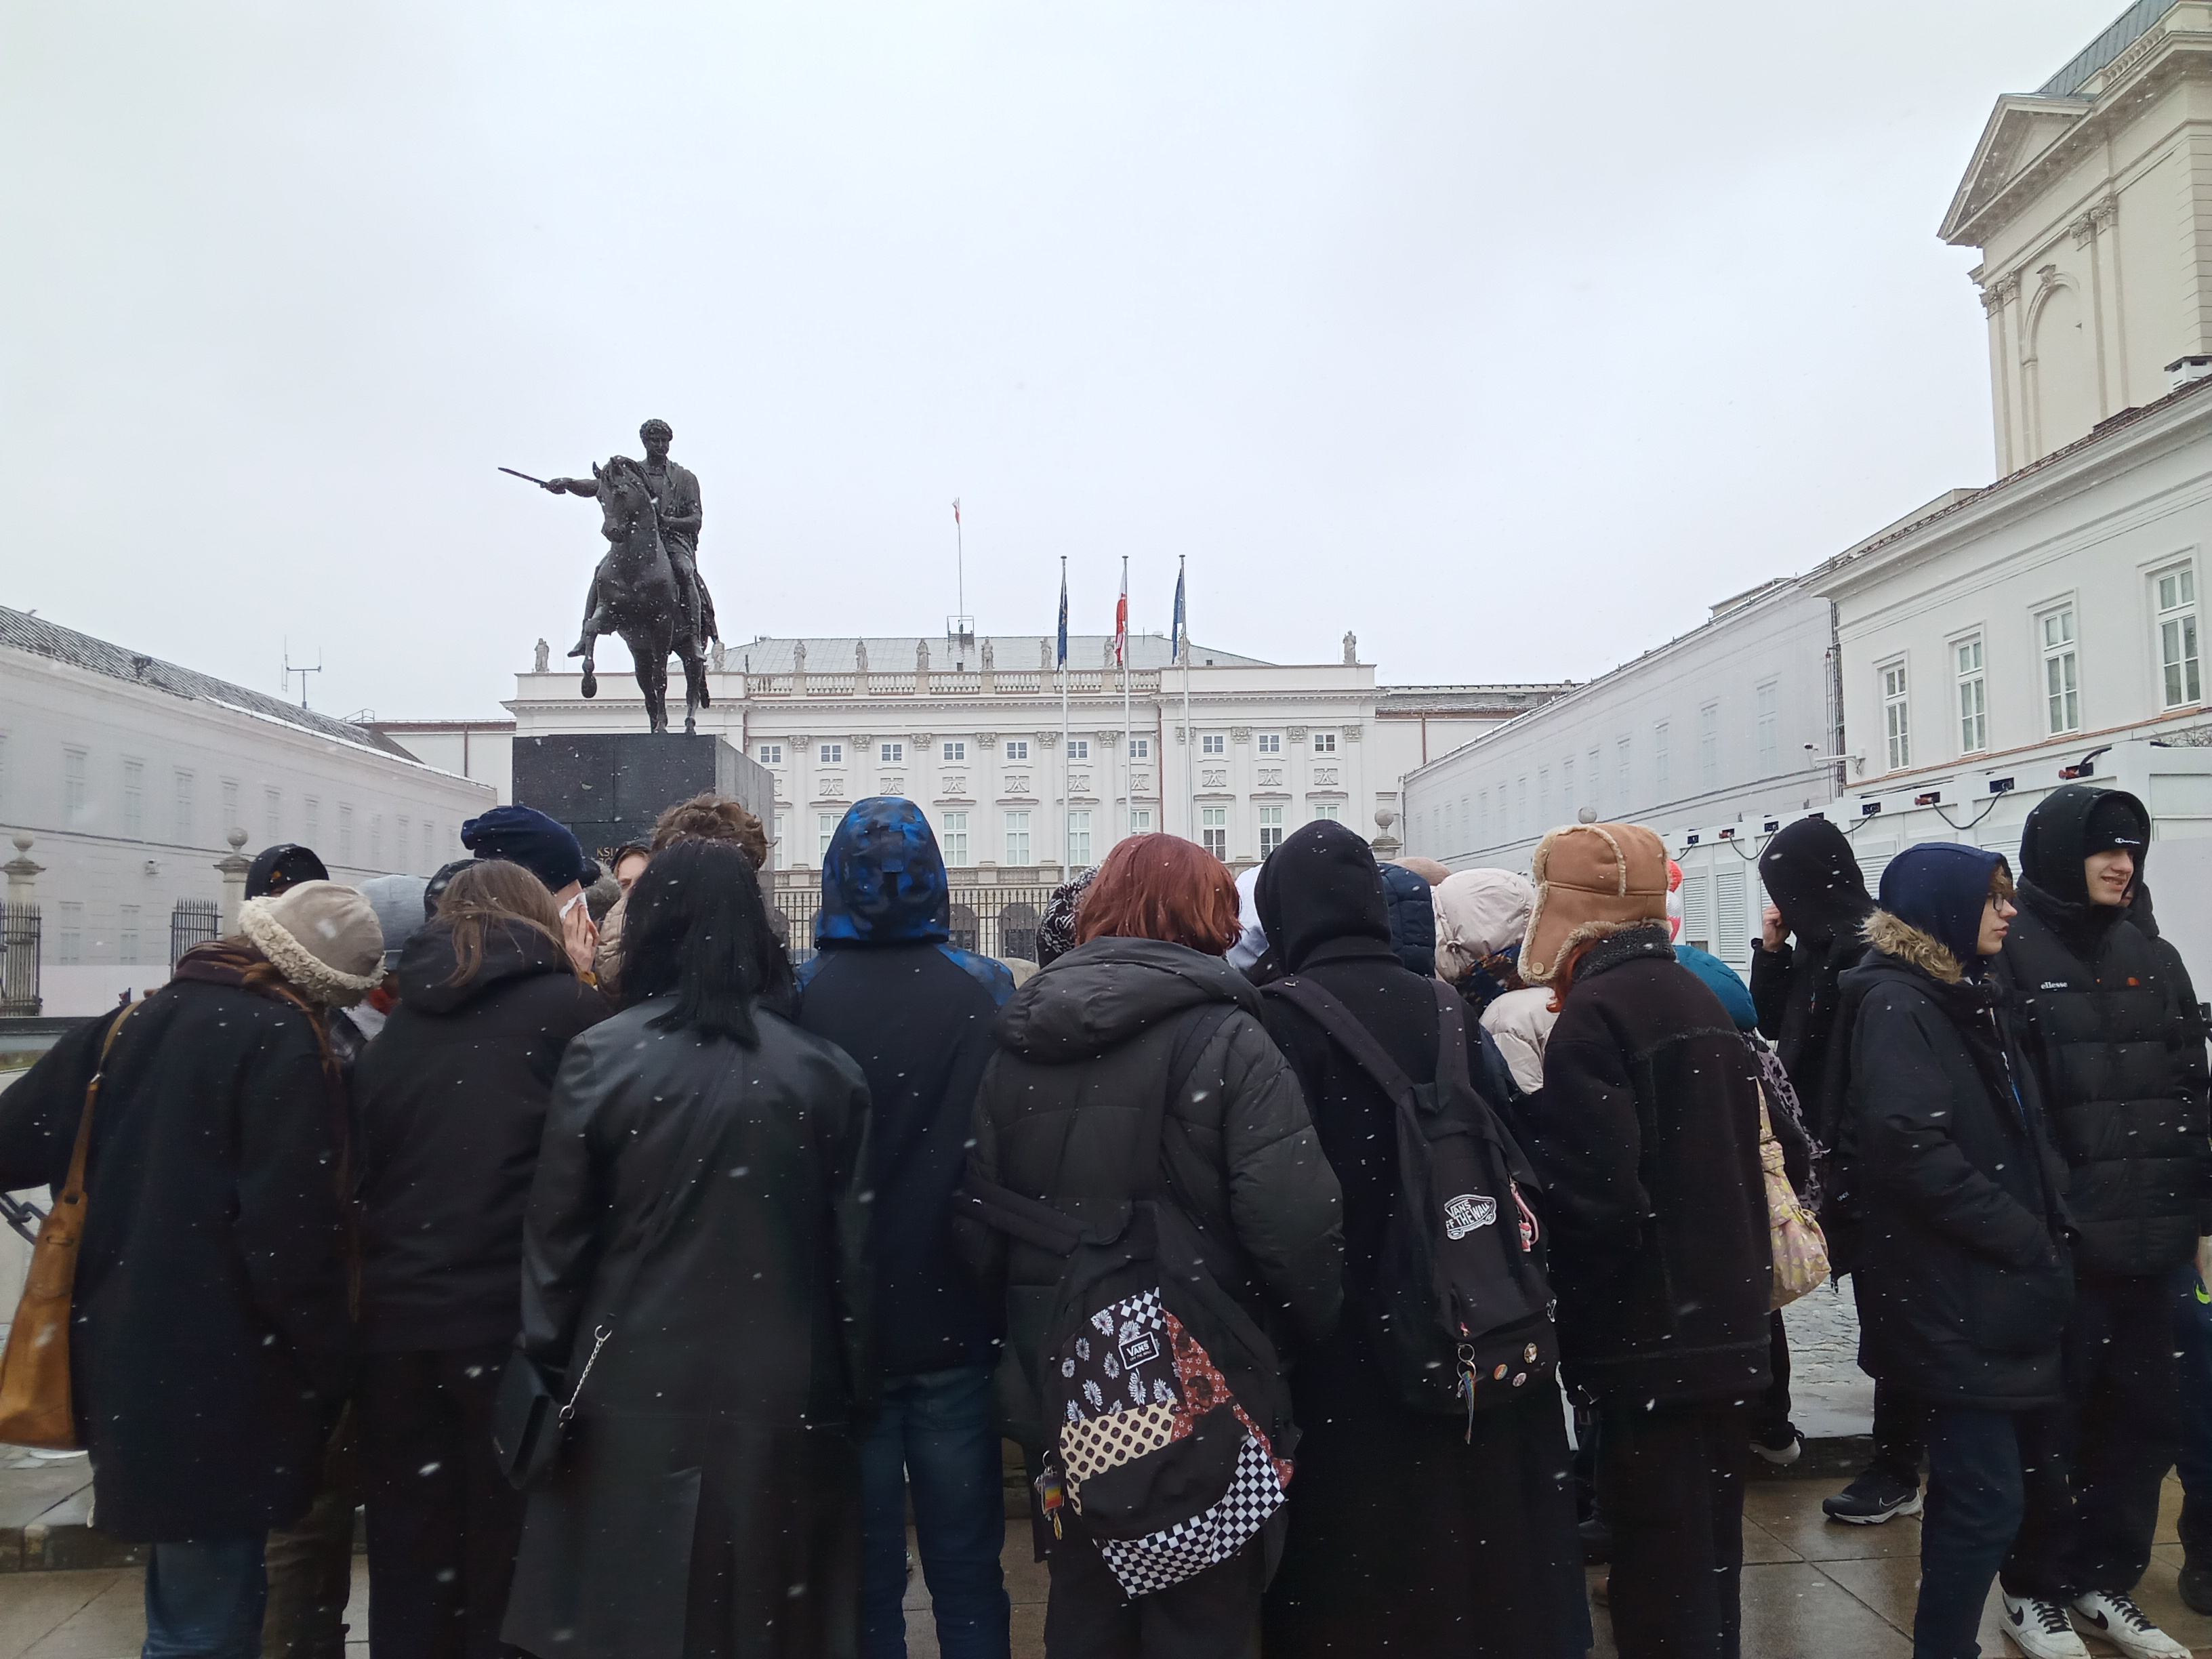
[[676, 501]]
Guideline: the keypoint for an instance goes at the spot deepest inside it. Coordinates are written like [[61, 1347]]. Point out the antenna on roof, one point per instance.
[[303, 673]]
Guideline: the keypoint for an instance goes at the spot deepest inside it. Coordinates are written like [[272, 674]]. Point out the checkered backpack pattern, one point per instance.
[[1171, 1436]]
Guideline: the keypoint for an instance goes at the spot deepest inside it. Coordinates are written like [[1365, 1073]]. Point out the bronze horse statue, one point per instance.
[[638, 599]]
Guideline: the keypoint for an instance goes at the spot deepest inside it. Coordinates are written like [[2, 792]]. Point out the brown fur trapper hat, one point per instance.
[[1591, 880], [323, 938]]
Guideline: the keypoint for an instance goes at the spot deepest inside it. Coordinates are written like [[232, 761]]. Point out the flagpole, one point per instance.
[[1121, 625], [1189, 739], [1067, 748]]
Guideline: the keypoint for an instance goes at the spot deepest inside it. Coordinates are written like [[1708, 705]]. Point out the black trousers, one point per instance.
[[1900, 1431], [1214, 1614], [1983, 1467], [2118, 1434], [443, 1523], [1771, 1415], [1670, 1481]]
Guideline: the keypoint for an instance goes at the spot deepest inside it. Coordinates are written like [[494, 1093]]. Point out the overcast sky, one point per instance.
[[1509, 336]]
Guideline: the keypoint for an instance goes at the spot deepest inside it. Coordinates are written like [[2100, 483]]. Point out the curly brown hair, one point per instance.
[[710, 817]]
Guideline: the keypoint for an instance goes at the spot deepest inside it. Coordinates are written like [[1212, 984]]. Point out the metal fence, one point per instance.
[[993, 921], [19, 959], [193, 921]]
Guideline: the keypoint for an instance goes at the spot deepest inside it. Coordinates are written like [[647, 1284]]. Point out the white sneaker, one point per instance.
[[2040, 1630], [2121, 1622]]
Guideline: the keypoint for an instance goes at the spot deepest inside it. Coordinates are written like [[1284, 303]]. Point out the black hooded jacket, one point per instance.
[[1946, 1188], [1812, 876], [2116, 1044], [1082, 1044], [450, 1100], [915, 1014]]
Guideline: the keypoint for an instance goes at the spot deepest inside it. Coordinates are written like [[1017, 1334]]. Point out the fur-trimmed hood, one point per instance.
[[1894, 937]]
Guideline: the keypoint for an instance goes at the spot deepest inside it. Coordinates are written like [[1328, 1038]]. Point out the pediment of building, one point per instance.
[[2022, 129]]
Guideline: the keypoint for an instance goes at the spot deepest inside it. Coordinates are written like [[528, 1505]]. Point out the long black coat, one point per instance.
[[450, 1101], [1648, 1148], [707, 1500], [1409, 1531], [209, 1345], [1947, 1185]]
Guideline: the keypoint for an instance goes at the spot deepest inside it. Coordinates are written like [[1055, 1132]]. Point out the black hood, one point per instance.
[[1813, 876], [2141, 914], [2054, 840], [1320, 891], [1101, 994], [511, 952]]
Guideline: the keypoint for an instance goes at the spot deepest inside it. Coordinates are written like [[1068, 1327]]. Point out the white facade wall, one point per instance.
[[129, 793], [1271, 747], [2083, 546], [1702, 727]]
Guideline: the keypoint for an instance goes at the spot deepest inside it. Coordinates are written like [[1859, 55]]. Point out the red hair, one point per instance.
[[1161, 887]]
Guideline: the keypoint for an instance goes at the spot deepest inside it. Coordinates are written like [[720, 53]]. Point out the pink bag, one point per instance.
[[1801, 1252]]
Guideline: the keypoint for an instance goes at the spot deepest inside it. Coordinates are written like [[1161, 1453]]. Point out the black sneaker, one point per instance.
[[2196, 1585], [1875, 1496]]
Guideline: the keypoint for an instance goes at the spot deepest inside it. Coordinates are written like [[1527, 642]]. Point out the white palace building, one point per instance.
[[974, 728]]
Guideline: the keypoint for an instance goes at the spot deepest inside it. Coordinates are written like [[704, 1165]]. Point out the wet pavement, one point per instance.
[[1812, 1590]]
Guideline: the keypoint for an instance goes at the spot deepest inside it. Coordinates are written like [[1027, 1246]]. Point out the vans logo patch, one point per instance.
[[1466, 1211]]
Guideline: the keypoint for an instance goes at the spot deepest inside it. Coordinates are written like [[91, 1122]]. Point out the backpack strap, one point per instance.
[[1343, 1027], [1148, 1167]]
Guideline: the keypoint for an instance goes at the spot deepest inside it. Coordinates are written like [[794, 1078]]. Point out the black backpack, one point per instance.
[[1171, 1431], [1463, 1313]]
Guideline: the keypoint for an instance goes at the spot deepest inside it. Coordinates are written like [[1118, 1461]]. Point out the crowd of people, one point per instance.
[[649, 1295]]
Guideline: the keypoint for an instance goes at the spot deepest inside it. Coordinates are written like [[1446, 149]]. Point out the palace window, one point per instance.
[[1018, 837], [891, 754], [1271, 830], [1079, 749], [1567, 787], [345, 833], [310, 819], [1770, 721], [1140, 749], [1624, 775], [2179, 676], [127, 936], [825, 826], [74, 807], [1271, 743], [1324, 743], [185, 808], [1140, 821], [1213, 744], [771, 754], [953, 751], [1017, 749], [2062, 670], [1213, 830], [1896, 717], [272, 815], [956, 838], [134, 800], [1078, 839], [829, 754], [1328, 812], [1709, 745], [1973, 682], [1660, 780]]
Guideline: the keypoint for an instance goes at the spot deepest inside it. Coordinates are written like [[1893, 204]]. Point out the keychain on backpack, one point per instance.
[[1052, 1496], [1466, 1387]]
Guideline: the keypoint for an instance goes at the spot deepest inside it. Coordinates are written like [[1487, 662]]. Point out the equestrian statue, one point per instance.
[[647, 588]]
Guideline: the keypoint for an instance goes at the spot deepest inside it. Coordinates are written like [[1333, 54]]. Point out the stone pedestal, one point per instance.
[[610, 787]]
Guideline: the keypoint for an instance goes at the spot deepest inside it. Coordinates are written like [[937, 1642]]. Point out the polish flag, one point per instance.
[[1121, 622]]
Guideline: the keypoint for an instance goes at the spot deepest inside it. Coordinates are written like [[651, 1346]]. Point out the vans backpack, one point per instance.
[[1463, 1314], [1171, 1421]]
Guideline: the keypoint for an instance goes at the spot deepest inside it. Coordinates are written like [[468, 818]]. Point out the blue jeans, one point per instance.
[[938, 1434], [204, 1600], [1982, 1466]]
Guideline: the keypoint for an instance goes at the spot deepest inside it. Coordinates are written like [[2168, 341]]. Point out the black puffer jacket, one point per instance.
[[1648, 1146], [451, 1102], [1082, 1044], [1812, 873], [1948, 1184], [2116, 1046]]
